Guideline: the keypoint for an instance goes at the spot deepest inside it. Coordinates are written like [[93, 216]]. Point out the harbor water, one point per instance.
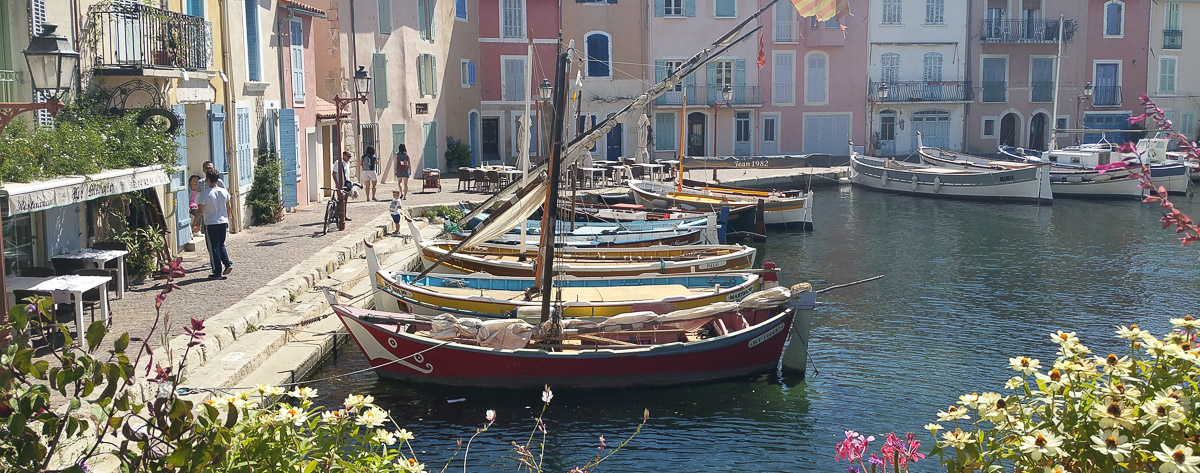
[[967, 286]]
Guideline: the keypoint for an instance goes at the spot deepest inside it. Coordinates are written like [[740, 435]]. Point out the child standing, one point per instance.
[[394, 208]]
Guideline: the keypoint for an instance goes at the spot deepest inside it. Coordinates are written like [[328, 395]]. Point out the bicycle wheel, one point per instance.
[[330, 216]]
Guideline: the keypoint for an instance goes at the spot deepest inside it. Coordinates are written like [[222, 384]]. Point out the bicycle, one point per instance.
[[331, 208]]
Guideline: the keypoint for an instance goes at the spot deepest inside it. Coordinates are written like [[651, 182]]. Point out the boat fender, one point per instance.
[[662, 266], [937, 184], [883, 178], [1075, 179], [1102, 177], [914, 183]]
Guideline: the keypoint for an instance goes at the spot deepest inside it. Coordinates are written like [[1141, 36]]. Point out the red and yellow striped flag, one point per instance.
[[822, 9], [762, 53]]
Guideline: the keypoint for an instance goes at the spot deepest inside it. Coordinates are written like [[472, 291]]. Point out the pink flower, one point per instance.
[[853, 447], [490, 415]]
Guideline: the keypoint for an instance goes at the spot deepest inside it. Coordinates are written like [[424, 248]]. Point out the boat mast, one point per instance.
[[682, 144], [523, 152], [1057, 73], [546, 260]]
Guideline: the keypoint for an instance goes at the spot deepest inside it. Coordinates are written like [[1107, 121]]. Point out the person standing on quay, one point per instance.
[[370, 177], [215, 208], [402, 170]]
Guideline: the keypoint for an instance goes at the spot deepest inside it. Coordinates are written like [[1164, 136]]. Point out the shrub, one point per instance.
[[146, 244], [458, 153], [265, 197]]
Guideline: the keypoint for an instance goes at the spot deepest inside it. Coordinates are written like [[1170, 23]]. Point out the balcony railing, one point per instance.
[[1106, 95], [8, 86], [1172, 39], [787, 31], [700, 95], [1042, 92], [995, 91], [1026, 31], [135, 36], [924, 91]]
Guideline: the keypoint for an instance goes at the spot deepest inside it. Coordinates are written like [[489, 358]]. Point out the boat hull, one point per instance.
[[410, 357], [1024, 185], [786, 212], [597, 262]]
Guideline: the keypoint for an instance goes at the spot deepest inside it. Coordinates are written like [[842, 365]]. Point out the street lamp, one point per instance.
[[881, 95], [545, 91], [362, 88], [52, 64], [1079, 100], [726, 97]]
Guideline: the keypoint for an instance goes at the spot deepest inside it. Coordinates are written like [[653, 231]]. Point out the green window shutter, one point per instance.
[[689, 7], [739, 72], [433, 82], [712, 74], [379, 71], [660, 7], [421, 76], [432, 6], [397, 137], [385, 16], [422, 20], [660, 69]]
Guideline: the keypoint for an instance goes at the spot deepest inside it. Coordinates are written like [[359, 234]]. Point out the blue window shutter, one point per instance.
[[612, 2], [725, 9], [288, 154], [660, 70], [689, 7], [195, 7], [179, 183], [398, 136], [739, 81], [660, 7], [385, 16], [711, 68], [471, 73], [422, 21], [245, 154], [216, 133], [252, 47], [379, 71], [460, 9]]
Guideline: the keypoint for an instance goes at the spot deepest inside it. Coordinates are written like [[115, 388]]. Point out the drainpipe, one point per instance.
[[357, 119], [967, 73], [287, 20], [230, 116]]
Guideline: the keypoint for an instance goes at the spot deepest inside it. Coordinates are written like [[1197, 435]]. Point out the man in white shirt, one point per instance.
[[215, 208], [208, 167]]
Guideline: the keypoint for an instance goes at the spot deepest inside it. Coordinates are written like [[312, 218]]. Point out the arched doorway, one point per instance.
[[1038, 130], [1009, 129], [695, 134]]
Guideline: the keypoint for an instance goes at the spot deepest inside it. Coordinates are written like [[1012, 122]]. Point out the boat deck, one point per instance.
[[592, 294]]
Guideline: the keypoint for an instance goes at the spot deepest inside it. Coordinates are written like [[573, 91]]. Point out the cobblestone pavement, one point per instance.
[[259, 254]]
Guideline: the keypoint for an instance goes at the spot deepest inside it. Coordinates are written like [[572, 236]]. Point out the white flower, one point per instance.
[[1025, 365], [382, 436], [333, 417], [268, 390], [244, 401], [1014, 383], [371, 417], [410, 465], [355, 401], [404, 435], [1054, 379], [1163, 409], [1112, 413], [957, 438], [490, 415], [1131, 333], [289, 414], [1176, 459], [969, 400], [1064, 338], [1186, 323], [1113, 444], [303, 393], [1054, 469], [1042, 443], [933, 429], [952, 413], [1115, 366], [547, 395]]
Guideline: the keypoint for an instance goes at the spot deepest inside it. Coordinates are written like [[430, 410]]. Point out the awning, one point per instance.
[[41, 195]]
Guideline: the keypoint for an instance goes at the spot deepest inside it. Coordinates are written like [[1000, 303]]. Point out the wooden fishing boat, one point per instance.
[[723, 341], [509, 260], [1005, 181], [598, 238], [740, 219], [485, 295], [1077, 180], [779, 210], [1073, 169]]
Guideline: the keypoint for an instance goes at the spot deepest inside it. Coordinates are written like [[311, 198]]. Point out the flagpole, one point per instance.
[[1057, 73], [682, 138], [524, 142]]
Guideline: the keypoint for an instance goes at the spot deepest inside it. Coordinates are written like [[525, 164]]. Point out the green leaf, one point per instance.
[[22, 360], [312, 465], [74, 403], [122, 343], [95, 333], [178, 457], [38, 369]]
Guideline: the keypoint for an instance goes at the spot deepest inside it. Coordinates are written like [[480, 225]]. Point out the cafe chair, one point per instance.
[[110, 273], [493, 177], [481, 182], [67, 266], [464, 178], [38, 272]]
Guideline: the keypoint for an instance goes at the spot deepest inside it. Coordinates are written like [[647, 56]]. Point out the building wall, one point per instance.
[[1179, 103]]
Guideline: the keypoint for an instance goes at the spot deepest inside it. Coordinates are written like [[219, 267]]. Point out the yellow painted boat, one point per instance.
[[777, 209]]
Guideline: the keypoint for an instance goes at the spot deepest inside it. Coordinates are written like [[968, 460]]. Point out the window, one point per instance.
[[512, 22], [742, 127], [385, 16], [1187, 124], [724, 9], [769, 131], [425, 19], [672, 66], [297, 43], [933, 67], [464, 73], [664, 131], [724, 75], [891, 12], [995, 79], [460, 10], [1061, 123], [935, 12], [787, 24], [379, 77], [673, 7], [245, 153], [427, 75], [253, 55], [784, 84], [598, 48], [989, 128], [19, 243], [816, 78], [1041, 79], [369, 133], [887, 127], [1172, 19], [513, 79], [889, 68], [1166, 74], [1114, 18]]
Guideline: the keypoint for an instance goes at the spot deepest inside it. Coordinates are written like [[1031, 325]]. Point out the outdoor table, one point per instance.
[[592, 172], [98, 258], [671, 164], [620, 173], [74, 284], [511, 175], [653, 170]]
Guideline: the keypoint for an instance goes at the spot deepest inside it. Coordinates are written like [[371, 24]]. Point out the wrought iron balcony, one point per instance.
[[1172, 39], [8, 86], [923, 91], [701, 96], [1042, 92], [1026, 31], [995, 91], [1106, 95], [131, 37]]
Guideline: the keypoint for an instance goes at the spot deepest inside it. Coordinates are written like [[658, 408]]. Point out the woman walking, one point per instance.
[[402, 171], [370, 178]]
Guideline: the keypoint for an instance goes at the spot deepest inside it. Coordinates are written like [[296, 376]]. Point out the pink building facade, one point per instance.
[[298, 116], [1116, 63], [506, 28], [816, 87]]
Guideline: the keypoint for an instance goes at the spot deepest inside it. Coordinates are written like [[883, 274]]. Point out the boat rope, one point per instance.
[[807, 354], [839, 286]]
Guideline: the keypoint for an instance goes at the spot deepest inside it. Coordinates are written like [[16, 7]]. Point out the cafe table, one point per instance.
[[97, 258], [72, 284]]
